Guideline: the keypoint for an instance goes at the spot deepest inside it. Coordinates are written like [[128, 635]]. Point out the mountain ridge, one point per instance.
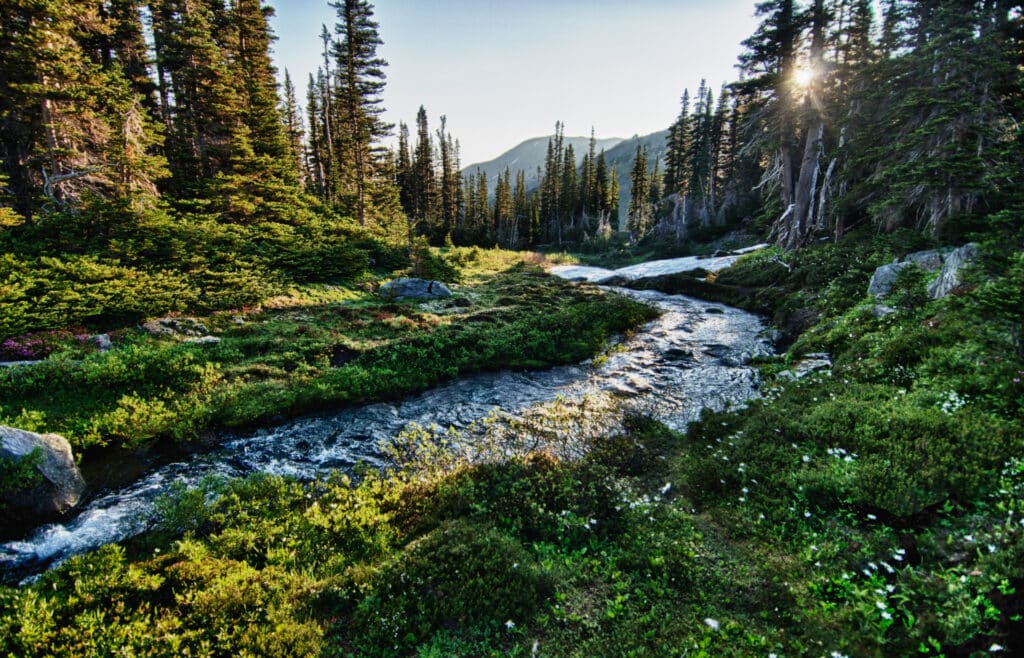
[[530, 154]]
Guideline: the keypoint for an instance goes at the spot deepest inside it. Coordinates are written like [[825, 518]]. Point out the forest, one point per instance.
[[153, 169]]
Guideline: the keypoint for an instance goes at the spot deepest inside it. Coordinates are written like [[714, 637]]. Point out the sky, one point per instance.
[[504, 71]]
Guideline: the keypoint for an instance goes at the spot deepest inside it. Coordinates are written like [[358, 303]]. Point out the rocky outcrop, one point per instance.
[[806, 365], [949, 260], [414, 289], [176, 327], [61, 486], [949, 277]]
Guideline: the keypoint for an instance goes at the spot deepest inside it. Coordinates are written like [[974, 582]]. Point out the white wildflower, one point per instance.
[[712, 623]]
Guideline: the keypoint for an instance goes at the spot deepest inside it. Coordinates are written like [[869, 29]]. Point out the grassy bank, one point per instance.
[[317, 347], [871, 511]]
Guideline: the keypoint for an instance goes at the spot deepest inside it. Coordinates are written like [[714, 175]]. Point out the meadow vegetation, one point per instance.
[[311, 347], [873, 510]]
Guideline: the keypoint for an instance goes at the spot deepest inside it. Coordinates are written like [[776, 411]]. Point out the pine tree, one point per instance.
[[423, 188], [639, 213], [568, 212], [770, 61], [504, 229], [677, 172], [206, 114], [449, 179], [521, 214], [72, 124], [317, 145], [294, 133], [404, 175], [360, 82], [255, 76]]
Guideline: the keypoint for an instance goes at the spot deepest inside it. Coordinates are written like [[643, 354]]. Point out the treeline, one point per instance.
[[565, 204], [906, 119], [91, 111], [910, 119]]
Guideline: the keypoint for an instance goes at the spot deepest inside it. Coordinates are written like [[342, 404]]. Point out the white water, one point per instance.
[[654, 267]]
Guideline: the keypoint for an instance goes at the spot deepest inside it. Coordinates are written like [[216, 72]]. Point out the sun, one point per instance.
[[803, 76]]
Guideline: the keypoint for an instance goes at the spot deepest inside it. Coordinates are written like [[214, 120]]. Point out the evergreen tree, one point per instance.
[[360, 76], [568, 211], [317, 145], [249, 54], [294, 133], [677, 172], [520, 213], [450, 189], [72, 124], [404, 175], [423, 188], [639, 214], [206, 118]]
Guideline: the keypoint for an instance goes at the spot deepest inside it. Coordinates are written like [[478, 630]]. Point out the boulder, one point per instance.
[[806, 365], [202, 340], [948, 259], [176, 327], [103, 342], [414, 289], [884, 278], [62, 484], [949, 277], [929, 260]]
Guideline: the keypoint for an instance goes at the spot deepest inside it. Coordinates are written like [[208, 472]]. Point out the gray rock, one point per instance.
[[811, 363], [884, 278], [881, 310], [929, 260], [62, 484], [176, 327], [103, 342], [414, 289], [948, 259], [949, 277], [614, 280], [202, 340]]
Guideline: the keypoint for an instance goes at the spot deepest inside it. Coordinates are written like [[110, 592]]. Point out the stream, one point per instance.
[[693, 356]]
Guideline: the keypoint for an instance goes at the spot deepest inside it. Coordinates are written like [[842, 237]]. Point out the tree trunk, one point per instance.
[[803, 196]]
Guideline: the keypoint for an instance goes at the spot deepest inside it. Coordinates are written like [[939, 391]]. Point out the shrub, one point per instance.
[[463, 574]]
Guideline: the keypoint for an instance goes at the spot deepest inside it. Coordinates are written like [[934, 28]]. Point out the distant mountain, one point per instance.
[[621, 158], [530, 154]]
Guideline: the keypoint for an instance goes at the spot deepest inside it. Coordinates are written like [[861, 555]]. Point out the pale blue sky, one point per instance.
[[506, 71]]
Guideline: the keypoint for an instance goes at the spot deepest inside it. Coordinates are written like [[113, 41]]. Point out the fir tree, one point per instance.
[[360, 75], [292, 122], [639, 213]]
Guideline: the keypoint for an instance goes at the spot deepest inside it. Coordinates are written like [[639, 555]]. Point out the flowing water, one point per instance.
[[693, 356]]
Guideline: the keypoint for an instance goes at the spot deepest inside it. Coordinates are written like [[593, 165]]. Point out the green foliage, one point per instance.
[[19, 474], [462, 574]]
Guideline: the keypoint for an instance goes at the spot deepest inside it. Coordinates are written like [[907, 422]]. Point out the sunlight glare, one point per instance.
[[803, 76]]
